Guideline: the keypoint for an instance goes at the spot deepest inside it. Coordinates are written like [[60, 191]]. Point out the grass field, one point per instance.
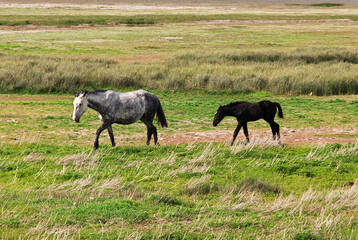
[[281, 57], [194, 56]]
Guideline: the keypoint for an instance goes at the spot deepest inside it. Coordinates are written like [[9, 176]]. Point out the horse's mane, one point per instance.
[[234, 103], [97, 91]]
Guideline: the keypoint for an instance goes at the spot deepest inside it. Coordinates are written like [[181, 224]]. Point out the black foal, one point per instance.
[[247, 112]]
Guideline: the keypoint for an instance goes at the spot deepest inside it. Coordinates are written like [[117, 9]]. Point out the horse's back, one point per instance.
[[268, 109], [128, 107], [255, 111]]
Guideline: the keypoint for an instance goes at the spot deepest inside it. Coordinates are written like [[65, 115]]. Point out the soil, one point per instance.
[[303, 136]]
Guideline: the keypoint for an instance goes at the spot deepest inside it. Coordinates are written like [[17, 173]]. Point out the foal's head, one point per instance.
[[80, 106], [219, 115]]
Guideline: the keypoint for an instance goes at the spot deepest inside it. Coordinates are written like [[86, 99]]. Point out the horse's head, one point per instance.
[[219, 115], [80, 106]]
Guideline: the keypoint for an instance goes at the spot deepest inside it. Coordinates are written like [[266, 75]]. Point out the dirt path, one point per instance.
[[306, 136]]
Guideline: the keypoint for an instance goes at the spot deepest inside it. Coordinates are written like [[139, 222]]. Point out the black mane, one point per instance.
[[232, 104], [97, 91]]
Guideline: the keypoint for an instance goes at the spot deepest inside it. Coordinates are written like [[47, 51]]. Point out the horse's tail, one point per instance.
[[162, 121], [280, 113]]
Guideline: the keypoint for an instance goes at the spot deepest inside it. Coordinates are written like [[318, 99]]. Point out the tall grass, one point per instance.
[[312, 71], [324, 4], [119, 18], [131, 192]]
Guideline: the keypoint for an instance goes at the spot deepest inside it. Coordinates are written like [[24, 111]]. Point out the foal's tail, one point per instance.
[[280, 113], [162, 121]]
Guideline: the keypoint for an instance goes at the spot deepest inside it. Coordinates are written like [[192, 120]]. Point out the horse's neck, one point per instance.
[[94, 101], [231, 110]]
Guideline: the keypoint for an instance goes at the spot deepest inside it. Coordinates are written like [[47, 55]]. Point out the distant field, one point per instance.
[[194, 56], [73, 15], [293, 57]]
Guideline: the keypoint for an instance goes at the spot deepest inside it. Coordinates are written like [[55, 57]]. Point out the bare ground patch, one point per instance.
[[303, 136]]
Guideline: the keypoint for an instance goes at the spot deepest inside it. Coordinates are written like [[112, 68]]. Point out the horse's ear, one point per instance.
[[76, 94], [84, 94]]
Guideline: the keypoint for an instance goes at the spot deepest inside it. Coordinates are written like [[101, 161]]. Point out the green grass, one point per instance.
[[197, 191], [54, 186]]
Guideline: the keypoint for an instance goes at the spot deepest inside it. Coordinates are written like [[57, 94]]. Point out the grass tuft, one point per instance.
[[253, 184], [327, 4]]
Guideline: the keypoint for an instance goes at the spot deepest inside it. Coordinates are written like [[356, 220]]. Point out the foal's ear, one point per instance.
[[84, 94], [76, 94]]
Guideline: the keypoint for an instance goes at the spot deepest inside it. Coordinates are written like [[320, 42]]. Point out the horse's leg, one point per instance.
[[246, 132], [275, 131], [149, 134], [237, 130], [155, 133], [149, 130], [278, 133], [99, 131], [152, 130], [110, 132]]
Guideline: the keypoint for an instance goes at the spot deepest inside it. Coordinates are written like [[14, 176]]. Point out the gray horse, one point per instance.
[[122, 108]]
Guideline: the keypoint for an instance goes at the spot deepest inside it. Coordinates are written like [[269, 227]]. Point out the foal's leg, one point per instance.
[[110, 132], [237, 130], [275, 127], [278, 133], [246, 132], [99, 131]]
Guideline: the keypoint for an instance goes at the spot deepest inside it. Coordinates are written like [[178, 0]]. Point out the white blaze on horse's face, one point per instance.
[[80, 106]]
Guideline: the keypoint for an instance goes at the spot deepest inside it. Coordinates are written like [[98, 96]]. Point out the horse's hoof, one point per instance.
[[95, 148]]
